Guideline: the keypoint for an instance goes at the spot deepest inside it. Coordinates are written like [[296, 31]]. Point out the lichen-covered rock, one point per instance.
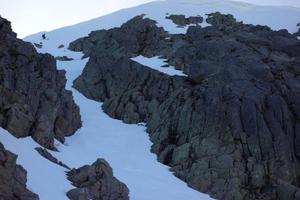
[[33, 99], [96, 182], [13, 178], [231, 128]]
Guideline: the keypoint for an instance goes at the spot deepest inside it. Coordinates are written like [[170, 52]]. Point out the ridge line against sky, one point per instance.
[[32, 16]]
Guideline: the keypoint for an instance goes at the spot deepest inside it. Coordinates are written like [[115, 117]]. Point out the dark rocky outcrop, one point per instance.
[[46, 154], [33, 99], [40, 45], [13, 178], [298, 32], [130, 39], [63, 58], [181, 20], [96, 182], [231, 128]]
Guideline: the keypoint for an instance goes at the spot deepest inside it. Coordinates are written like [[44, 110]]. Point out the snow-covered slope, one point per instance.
[[125, 147], [277, 17]]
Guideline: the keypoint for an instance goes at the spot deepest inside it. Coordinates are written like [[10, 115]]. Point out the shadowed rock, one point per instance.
[[181, 20], [43, 152], [298, 32], [13, 178], [33, 100], [96, 182], [231, 128]]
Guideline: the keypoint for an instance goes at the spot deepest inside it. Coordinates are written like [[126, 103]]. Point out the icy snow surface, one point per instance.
[[125, 147], [158, 64]]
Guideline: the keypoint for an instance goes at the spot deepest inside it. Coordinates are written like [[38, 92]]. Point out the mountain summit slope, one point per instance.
[[221, 124], [230, 132], [275, 17]]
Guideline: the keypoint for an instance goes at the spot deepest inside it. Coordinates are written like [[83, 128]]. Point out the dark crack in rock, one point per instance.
[[130, 39], [13, 178], [33, 100], [96, 182], [63, 58], [46, 154], [231, 128]]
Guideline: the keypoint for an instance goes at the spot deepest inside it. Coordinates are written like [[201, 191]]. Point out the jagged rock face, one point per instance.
[[298, 32], [96, 182], [130, 39], [13, 178], [231, 128], [47, 155], [33, 100], [181, 20], [63, 58]]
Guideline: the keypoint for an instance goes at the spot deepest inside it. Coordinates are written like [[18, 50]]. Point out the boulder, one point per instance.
[[182, 20], [96, 182]]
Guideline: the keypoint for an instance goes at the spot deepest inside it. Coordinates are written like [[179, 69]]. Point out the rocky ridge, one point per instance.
[[47, 155], [96, 182], [181, 20], [33, 100], [298, 32], [231, 128], [13, 178]]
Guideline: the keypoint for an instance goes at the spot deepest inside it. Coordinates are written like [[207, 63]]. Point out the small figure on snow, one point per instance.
[[44, 36]]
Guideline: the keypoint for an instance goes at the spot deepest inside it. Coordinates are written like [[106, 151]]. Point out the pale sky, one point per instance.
[[32, 16]]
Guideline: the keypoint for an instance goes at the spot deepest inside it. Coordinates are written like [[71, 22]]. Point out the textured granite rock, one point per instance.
[[130, 39], [96, 182], [13, 178], [182, 20], [231, 128], [47, 155], [33, 99]]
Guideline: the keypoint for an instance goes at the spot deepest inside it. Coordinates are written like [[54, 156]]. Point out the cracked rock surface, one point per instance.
[[33, 100], [96, 182], [13, 178], [232, 127]]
